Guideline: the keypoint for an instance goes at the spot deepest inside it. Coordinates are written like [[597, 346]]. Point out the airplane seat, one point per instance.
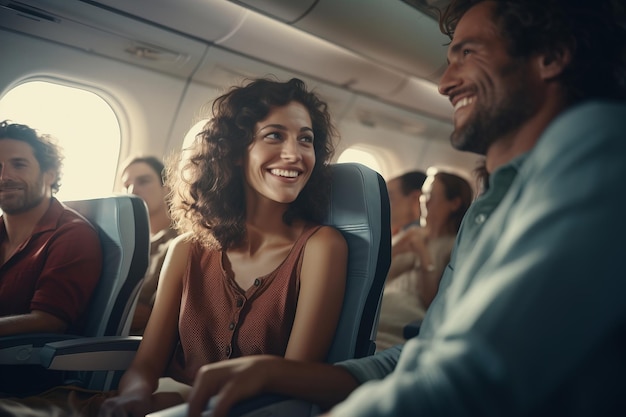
[[125, 260], [359, 209], [124, 231]]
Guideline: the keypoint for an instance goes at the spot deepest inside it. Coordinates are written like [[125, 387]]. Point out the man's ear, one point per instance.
[[553, 62], [49, 177]]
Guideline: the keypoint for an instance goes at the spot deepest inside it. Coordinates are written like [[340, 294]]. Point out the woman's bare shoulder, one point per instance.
[[183, 241], [327, 238], [180, 248]]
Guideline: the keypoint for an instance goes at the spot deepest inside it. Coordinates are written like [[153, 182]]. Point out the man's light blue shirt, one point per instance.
[[530, 318]]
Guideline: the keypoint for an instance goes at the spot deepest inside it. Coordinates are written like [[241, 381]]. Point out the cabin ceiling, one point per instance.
[[387, 49], [390, 50]]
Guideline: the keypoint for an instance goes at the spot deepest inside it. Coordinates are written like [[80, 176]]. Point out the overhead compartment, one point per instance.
[[102, 32], [222, 68], [389, 32], [260, 37], [422, 96], [288, 11], [351, 48], [208, 20]]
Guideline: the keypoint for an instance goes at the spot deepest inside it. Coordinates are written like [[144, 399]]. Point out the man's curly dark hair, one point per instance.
[[594, 31], [45, 148], [208, 182]]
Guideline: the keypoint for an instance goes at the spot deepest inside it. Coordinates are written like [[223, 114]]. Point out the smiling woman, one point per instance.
[[85, 126], [250, 195]]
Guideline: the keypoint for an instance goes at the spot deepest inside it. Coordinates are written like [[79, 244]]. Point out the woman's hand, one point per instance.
[[411, 240], [417, 238], [401, 243], [237, 379], [232, 381]]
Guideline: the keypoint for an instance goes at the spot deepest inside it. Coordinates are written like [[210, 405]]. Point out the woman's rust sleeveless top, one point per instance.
[[219, 320]]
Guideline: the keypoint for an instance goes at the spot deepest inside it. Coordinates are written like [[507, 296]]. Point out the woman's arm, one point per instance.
[[241, 378], [429, 278], [322, 286], [159, 339], [402, 256]]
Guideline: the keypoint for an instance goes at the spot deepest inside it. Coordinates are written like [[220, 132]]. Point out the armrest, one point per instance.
[[109, 353], [273, 405], [412, 329], [24, 349]]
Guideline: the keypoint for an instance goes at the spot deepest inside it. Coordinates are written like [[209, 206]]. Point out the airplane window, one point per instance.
[[84, 125], [360, 156]]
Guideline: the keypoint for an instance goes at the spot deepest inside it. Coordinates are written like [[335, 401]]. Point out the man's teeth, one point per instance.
[[463, 102], [284, 173]]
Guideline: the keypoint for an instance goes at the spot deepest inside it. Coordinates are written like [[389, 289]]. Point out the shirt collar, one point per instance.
[[50, 218], [513, 166]]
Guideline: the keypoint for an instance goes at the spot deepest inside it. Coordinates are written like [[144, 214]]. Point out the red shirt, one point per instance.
[[55, 270]]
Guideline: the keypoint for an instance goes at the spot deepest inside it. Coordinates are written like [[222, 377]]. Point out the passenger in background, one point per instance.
[[255, 272], [145, 177], [404, 200], [420, 256], [405, 192], [50, 256]]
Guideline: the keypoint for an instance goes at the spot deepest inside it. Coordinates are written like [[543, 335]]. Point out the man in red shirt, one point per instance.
[[50, 256]]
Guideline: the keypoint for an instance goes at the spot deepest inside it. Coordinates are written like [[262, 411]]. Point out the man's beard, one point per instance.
[[31, 198], [490, 124]]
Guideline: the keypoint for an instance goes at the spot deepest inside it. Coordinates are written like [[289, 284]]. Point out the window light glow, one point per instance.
[[83, 124], [360, 156]]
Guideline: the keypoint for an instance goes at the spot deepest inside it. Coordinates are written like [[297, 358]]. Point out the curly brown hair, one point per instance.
[[46, 149], [208, 183], [593, 31]]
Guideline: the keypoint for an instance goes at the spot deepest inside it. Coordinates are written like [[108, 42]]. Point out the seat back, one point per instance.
[[359, 209], [124, 231]]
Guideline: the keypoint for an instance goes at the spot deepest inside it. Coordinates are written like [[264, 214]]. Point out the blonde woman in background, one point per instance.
[[420, 255]]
